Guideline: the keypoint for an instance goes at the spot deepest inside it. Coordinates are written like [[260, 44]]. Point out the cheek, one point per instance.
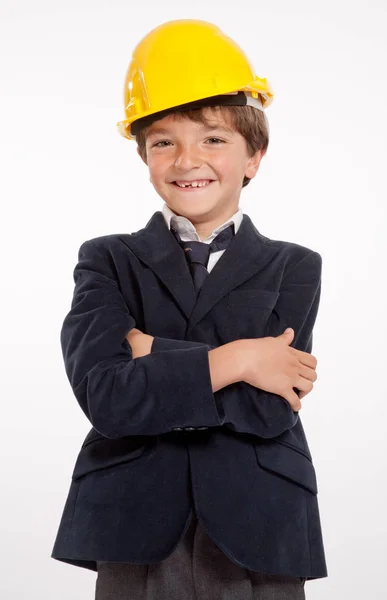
[[228, 168], [156, 171]]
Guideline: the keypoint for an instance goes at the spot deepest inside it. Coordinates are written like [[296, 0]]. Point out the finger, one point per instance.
[[132, 333], [304, 385], [308, 373], [294, 401], [309, 360]]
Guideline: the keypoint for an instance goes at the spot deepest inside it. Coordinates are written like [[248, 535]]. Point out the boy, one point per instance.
[[196, 480]]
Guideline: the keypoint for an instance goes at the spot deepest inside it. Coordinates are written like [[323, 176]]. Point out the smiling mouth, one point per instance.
[[194, 186]]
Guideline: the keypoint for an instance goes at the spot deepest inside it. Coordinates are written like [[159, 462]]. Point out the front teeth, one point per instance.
[[193, 184]]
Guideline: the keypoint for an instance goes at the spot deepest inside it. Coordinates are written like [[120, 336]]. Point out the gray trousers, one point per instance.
[[196, 570]]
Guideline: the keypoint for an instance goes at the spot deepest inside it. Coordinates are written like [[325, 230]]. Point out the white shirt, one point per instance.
[[188, 233]]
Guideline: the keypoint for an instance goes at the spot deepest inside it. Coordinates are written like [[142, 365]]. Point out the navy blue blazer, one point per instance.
[[161, 441]]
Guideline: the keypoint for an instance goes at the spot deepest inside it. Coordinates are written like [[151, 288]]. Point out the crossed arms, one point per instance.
[[168, 385]]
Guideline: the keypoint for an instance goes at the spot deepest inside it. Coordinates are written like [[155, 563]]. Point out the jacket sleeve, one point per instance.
[[245, 408], [160, 344], [122, 396]]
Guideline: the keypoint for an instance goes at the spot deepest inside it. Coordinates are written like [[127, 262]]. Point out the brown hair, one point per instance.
[[250, 122]]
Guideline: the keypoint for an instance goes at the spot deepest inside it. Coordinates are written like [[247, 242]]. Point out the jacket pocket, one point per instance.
[[99, 452], [287, 462]]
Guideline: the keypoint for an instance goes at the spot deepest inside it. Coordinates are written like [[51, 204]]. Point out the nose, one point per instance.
[[188, 157]]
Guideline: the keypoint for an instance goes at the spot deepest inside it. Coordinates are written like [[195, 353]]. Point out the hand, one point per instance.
[[140, 343], [274, 366]]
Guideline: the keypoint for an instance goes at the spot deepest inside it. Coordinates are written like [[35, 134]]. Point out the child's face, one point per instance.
[[185, 151]]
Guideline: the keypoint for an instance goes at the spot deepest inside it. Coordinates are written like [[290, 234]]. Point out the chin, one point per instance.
[[193, 208]]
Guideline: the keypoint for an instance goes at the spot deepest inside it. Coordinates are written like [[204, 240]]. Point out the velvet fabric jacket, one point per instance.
[[161, 441]]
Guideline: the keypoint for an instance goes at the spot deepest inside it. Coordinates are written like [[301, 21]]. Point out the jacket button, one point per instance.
[[201, 428], [177, 429], [190, 428]]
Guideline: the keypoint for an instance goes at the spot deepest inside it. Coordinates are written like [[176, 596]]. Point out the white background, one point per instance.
[[67, 176]]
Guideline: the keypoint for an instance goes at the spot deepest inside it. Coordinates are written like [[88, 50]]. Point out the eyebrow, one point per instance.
[[206, 128]]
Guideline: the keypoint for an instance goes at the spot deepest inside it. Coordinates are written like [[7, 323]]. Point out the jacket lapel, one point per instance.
[[247, 253]]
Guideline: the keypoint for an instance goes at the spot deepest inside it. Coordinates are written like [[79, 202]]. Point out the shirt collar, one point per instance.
[[187, 231]]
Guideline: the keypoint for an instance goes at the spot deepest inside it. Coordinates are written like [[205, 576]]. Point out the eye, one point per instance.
[[156, 145], [216, 139]]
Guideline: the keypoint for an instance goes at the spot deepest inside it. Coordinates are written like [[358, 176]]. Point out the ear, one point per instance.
[[140, 155], [253, 164]]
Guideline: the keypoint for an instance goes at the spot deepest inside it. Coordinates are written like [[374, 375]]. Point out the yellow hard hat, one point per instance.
[[185, 61]]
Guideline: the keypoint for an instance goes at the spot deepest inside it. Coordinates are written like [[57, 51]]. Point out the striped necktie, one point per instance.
[[198, 253]]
